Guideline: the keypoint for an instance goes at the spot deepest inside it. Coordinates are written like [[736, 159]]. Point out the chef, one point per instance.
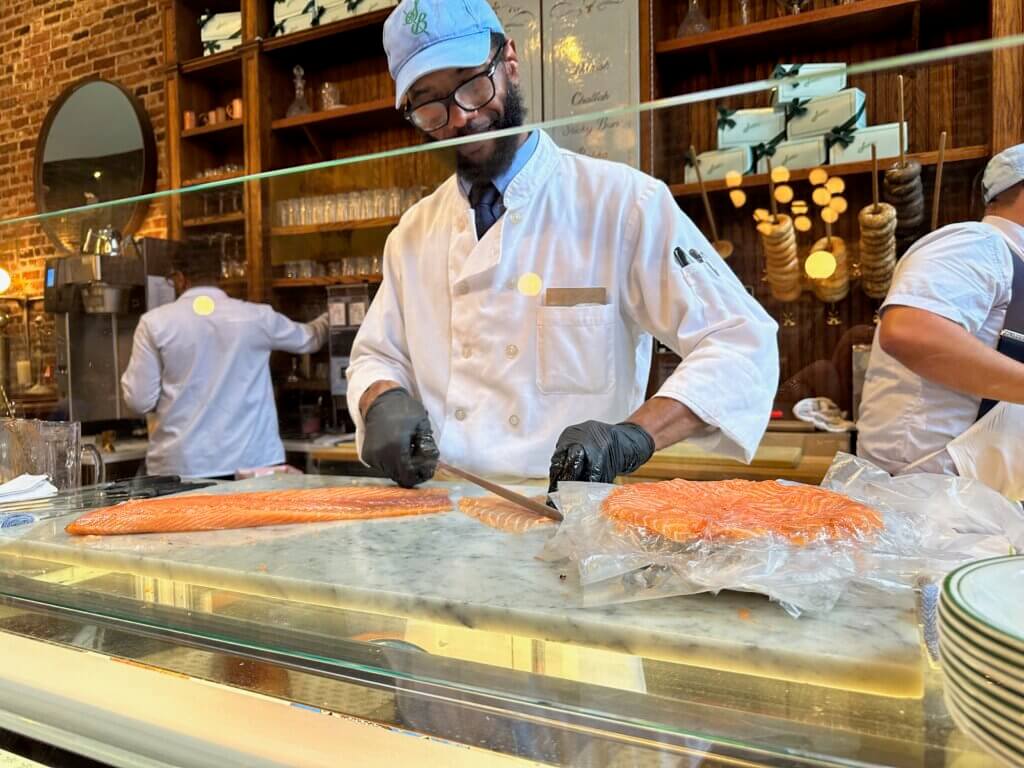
[[512, 332], [200, 366], [945, 384]]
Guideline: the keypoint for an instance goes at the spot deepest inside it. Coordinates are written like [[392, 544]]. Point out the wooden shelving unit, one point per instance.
[[323, 282], [343, 226], [824, 26], [327, 35], [207, 130], [961, 154], [211, 179], [374, 113], [236, 217]]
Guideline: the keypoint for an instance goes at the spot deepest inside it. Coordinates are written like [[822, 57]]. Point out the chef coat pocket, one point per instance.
[[575, 350]]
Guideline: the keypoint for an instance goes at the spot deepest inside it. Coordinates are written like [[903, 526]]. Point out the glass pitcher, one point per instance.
[[51, 448]]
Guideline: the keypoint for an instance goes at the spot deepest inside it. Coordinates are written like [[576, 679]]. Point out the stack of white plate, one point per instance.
[[982, 640]]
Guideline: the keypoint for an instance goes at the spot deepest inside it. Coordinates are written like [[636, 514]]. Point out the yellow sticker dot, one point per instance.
[[835, 185], [762, 214], [827, 214], [203, 306], [802, 224], [780, 175], [838, 204], [818, 176], [799, 207], [738, 197], [820, 265], [821, 196], [784, 194], [530, 284], [733, 179]]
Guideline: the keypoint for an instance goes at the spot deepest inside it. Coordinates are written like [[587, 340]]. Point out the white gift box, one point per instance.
[[715, 165], [753, 126], [829, 79], [286, 9], [336, 10], [794, 155], [220, 26], [886, 139], [828, 112], [293, 24]]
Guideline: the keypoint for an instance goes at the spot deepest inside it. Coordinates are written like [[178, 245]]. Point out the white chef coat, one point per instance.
[[964, 273], [501, 374], [207, 377]]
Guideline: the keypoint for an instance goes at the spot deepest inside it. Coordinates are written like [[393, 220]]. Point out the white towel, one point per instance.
[[27, 488]]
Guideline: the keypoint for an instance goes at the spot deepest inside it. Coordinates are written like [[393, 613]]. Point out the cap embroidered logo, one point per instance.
[[416, 19]]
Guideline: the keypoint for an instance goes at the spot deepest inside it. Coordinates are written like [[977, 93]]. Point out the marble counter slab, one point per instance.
[[452, 570]]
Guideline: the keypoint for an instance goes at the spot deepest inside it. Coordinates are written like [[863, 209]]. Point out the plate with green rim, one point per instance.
[[989, 595]]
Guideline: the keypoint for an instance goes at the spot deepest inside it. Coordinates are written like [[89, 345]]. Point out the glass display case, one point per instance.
[[462, 635]]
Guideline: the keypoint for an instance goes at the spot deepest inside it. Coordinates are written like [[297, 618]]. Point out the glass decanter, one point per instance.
[[299, 106], [695, 23]]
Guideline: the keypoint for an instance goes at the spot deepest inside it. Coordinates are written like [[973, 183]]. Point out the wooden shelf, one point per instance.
[[306, 386], [287, 44], [207, 130], [224, 66], [368, 114], [961, 154], [839, 24], [343, 226], [322, 282], [211, 179], [233, 284], [212, 221]]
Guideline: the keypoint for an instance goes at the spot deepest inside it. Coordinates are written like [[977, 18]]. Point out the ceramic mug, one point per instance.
[[190, 120], [211, 117], [234, 109], [222, 115]]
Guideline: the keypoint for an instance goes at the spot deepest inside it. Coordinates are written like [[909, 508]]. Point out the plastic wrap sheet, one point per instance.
[[931, 523]]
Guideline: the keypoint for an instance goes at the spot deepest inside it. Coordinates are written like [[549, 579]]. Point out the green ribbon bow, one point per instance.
[[843, 134], [725, 120], [353, 5], [795, 108], [211, 46], [204, 18], [765, 149], [781, 73], [317, 15]]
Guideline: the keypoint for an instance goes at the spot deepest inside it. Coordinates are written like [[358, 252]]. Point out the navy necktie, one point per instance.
[[485, 200]]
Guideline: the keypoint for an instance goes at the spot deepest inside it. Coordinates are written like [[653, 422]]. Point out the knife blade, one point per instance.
[[516, 498]]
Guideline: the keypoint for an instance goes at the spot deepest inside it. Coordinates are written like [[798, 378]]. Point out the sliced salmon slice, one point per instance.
[[735, 510], [250, 510], [503, 515]]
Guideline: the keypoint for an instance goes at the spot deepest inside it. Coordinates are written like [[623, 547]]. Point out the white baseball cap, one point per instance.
[[1002, 172], [424, 36]]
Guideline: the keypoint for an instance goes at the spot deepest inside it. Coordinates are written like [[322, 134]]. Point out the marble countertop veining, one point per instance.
[[453, 570]]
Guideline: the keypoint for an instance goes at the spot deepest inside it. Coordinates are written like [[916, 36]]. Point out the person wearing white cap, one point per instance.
[[945, 383], [470, 351]]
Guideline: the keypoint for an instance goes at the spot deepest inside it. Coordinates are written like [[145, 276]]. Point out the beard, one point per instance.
[[503, 149]]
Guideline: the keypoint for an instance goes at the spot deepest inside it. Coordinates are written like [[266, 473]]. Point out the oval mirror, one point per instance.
[[96, 145]]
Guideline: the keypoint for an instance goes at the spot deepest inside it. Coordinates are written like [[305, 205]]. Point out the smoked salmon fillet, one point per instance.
[[735, 510], [250, 510], [502, 514]]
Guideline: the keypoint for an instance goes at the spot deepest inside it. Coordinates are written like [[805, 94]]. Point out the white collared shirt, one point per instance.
[[207, 378], [502, 374], [964, 273]]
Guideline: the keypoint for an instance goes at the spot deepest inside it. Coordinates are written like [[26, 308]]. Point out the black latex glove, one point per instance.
[[595, 452], [399, 442]]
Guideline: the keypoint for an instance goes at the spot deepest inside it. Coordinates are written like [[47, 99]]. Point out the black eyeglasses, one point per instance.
[[475, 93]]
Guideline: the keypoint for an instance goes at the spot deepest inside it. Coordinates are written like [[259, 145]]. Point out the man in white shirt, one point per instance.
[[512, 331], [201, 366], [935, 359]]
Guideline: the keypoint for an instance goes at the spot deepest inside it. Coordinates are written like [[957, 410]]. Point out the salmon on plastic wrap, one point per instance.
[[214, 512], [803, 546]]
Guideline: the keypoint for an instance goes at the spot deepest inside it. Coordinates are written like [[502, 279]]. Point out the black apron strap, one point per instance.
[[1012, 326]]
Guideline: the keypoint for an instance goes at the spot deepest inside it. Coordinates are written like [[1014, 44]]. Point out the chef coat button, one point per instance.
[[462, 289], [513, 420], [467, 352], [511, 350], [460, 415], [515, 218]]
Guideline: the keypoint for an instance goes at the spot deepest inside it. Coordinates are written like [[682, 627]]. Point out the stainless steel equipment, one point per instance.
[[97, 299]]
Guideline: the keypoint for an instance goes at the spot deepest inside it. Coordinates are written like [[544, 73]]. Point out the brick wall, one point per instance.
[[45, 46]]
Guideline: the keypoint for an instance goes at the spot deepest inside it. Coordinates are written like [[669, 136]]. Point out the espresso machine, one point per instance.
[[97, 299]]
